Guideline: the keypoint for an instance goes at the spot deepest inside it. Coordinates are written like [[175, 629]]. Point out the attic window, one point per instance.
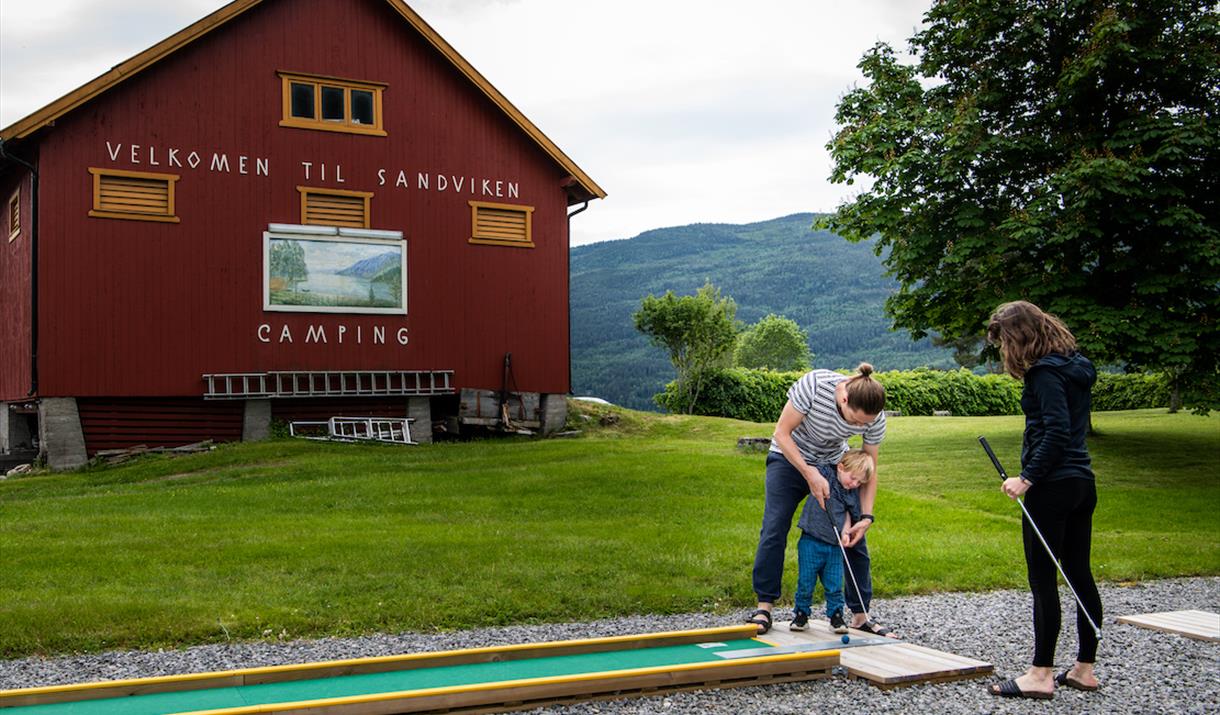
[[14, 215], [501, 224], [334, 207], [133, 195], [331, 104]]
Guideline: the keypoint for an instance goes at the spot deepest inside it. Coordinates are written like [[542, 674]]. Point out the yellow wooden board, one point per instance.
[[1201, 625], [886, 666]]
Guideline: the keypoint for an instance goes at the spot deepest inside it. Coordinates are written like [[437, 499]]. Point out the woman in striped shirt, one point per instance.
[[824, 408]]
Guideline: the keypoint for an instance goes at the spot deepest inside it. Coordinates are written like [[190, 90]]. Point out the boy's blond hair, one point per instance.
[[858, 462]]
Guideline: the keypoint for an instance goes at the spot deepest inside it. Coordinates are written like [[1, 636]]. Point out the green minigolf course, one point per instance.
[[402, 688]]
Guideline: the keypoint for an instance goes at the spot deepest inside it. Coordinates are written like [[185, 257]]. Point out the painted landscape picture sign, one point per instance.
[[334, 275]]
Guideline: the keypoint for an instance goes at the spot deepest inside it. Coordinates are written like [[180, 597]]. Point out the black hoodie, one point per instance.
[[1056, 401]]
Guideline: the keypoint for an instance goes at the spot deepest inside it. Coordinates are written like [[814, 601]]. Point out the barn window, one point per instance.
[[14, 215], [331, 104], [501, 224], [334, 207], [133, 195]]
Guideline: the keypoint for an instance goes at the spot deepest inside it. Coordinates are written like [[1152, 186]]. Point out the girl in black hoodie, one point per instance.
[[1057, 482]]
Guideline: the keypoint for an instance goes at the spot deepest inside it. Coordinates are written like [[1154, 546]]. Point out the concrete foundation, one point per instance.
[[554, 412], [256, 420], [62, 443], [419, 409]]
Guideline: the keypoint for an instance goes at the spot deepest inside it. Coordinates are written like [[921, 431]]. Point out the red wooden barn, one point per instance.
[[290, 209]]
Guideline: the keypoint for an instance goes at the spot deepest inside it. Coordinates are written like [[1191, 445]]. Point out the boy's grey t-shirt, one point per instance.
[[815, 520]]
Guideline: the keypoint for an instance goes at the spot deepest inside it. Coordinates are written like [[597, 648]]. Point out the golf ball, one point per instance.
[[847, 639]]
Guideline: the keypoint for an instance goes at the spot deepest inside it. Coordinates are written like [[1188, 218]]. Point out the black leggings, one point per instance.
[[1063, 511]]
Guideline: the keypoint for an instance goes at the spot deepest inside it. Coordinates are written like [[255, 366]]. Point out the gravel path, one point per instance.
[[1142, 671]]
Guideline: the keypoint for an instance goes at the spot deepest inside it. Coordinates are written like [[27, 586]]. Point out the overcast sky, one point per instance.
[[684, 111]]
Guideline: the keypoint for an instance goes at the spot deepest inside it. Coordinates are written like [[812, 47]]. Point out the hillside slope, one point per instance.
[[833, 289]]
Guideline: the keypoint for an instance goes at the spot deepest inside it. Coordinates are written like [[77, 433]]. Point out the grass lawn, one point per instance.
[[643, 514]]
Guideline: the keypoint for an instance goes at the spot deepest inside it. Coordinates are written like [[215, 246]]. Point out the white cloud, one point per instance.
[[684, 111]]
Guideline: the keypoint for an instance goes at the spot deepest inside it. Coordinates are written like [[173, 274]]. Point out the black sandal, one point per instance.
[[1067, 680], [1010, 689], [876, 629], [764, 624]]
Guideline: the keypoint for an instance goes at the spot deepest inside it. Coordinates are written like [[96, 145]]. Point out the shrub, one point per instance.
[[759, 395], [1130, 391]]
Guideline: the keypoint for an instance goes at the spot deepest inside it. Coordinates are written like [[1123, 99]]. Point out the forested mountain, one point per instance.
[[833, 289]]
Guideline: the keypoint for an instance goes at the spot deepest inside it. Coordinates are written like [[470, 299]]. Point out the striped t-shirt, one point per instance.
[[822, 435]]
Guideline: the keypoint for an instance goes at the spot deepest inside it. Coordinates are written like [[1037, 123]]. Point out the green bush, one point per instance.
[[759, 395], [1130, 392], [740, 393], [960, 392]]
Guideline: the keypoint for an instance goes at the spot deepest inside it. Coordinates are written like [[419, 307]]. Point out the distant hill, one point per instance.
[[370, 267], [835, 290]]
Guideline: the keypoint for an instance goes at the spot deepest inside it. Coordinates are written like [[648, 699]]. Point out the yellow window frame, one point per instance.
[[347, 124]]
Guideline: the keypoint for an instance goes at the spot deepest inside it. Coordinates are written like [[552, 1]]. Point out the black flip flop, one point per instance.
[[1010, 689], [876, 629], [1067, 680], [764, 625]]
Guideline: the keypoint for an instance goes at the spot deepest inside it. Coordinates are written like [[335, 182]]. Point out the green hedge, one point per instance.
[[759, 395], [1130, 392]]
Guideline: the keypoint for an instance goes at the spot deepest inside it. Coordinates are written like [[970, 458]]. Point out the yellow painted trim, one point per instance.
[[298, 123], [13, 208], [494, 95], [54, 110], [495, 241], [721, 633], [308, 77], [171, 181], [522, 683], [377, 128], [306, 191], [125, 70]]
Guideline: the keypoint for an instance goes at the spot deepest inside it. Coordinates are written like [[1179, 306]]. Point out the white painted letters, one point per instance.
[[316, 334]]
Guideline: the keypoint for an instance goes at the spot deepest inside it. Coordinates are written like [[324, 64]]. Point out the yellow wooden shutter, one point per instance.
[[335, 208], [133, 195], [501, 224]]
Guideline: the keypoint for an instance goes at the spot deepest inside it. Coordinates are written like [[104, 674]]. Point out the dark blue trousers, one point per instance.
[[786, 489]]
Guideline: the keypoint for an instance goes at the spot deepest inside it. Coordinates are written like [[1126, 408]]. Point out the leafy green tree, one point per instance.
[[774, 343], [288, 263], [699, 332], [1065, 153]]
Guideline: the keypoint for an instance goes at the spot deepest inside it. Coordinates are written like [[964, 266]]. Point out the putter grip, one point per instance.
[[994, 460]]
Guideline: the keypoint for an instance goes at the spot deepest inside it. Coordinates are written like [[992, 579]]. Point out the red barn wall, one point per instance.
[[144, 309], [15, 289]]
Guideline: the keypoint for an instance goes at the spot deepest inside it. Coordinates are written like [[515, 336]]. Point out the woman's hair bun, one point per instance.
[[865, 369]]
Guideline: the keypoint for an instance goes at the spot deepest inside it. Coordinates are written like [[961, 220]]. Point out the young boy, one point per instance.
[[818, 551]]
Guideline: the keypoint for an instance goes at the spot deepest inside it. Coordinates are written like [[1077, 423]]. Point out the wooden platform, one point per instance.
[[893, 664], [1200, 625]]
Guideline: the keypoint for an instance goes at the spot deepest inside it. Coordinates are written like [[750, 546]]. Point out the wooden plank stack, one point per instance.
[[894, 664]]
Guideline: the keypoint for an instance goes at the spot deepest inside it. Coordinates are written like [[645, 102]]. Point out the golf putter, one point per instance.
[[1004, 475]]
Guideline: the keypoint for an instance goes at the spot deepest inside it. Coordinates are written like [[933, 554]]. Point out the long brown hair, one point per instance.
[[864, 393], [1025, 334]]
